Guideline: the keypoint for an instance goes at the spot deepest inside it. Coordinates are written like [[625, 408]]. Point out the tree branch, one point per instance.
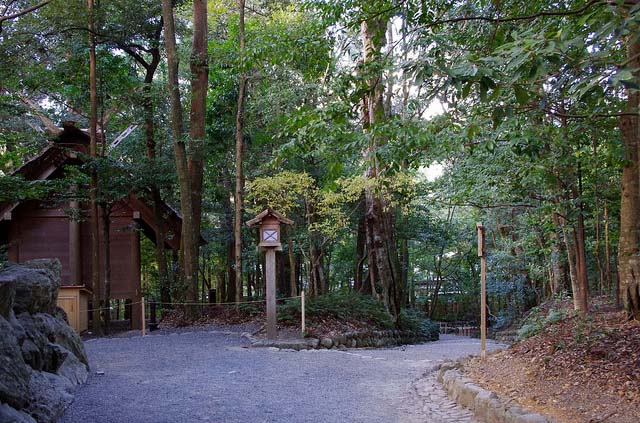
[[522, 17], [23, 12], [591, 116], [492, 206], [48, 123]]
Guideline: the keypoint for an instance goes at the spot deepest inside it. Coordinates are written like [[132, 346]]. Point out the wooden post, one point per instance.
[[302, 309], [269, 223], [483, 291], [142, 315], [270, 254]]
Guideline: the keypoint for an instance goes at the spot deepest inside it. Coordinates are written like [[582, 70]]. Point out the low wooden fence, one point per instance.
[[459, 328]]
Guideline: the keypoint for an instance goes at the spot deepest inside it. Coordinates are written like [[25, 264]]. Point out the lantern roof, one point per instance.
[[269, 212]]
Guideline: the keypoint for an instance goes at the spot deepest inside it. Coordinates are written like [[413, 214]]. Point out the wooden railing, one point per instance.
[[458, 328]]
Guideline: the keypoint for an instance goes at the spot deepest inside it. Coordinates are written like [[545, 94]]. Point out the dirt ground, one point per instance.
[[576, 371]]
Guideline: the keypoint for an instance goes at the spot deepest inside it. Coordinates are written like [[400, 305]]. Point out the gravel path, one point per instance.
[[214, 376]]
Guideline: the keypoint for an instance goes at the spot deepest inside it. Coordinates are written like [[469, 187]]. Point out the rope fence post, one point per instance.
[[143, 317], [303, 313]]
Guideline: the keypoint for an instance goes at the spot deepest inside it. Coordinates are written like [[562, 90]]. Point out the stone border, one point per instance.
[[376, 339], [486, 405]]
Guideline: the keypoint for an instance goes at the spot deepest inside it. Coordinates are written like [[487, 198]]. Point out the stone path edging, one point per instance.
[[376, 339], [436, 405], [485, 405]]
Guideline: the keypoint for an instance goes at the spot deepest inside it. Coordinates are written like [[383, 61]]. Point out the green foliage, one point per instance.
[[340, 305], [352, 306], [527, 133], [417, 321], [15, 188], [251, 309], [537, 320]]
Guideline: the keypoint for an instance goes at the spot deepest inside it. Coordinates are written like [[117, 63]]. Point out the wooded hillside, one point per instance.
[[384, 129]]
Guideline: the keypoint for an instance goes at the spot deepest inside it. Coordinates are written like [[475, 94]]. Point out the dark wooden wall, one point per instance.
[[36, 231]]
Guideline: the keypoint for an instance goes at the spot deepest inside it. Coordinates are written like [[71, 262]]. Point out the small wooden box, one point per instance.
[[74, 300]]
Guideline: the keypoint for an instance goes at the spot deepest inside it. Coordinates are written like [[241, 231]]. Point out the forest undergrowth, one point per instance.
[[573, 368], [328, 315]]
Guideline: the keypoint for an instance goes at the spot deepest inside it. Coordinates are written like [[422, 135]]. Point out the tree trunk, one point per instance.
[[581, 267], [106, 283], [379, 214], [199, 65], [372, 270], [231, 273], [93, 185], [574, 243], [149, 130], [570, 260], [318, 284], [556, 258], [292, 263], [580, 294], [598, 241], [607, 250], [404, 272], [189, 250], [629, 243], [239, 135], [222, 292], [358, 284]]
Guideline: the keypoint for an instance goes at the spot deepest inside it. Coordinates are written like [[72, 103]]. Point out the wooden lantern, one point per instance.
[[269, 222]]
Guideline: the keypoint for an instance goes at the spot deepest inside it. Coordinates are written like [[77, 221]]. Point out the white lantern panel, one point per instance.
[[270, 235]]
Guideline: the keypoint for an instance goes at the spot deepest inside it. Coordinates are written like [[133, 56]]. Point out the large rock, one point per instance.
[[73, 369], [7, 294], [11, 415], [42, 359], [14, 372], [49, 395], [36, 285], [45, 330]]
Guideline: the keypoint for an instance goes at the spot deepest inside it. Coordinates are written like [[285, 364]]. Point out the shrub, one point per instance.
[[417, 321], [536, 321], [353, 306], [339, 305]]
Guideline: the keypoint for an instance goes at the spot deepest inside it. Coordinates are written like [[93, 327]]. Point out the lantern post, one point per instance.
[[269, 223]]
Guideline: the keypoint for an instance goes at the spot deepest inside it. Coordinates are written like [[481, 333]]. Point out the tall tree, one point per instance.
[[629, 247], [189, 251], [139, 38], [93, 193], [380, 217], [199, 64], [239, 137]]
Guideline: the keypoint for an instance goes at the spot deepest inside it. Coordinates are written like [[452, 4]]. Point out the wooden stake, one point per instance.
[[302, 308], [483, 291], [272, 332], [142, 313]]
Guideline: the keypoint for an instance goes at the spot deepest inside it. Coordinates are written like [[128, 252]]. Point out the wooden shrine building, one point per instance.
[[41, 229]]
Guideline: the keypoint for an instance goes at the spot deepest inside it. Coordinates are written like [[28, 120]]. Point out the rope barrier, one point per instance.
[[227, 303], [143, 312], [189, 303], [106, 308]]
